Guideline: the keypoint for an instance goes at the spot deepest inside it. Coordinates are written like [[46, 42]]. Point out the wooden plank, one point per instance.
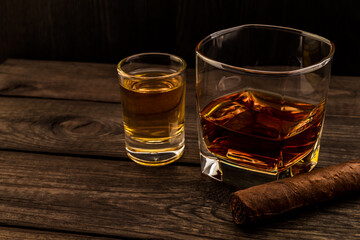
[[123, 199], [62, 80], [98, 82], [66, 80], [16, 233], [344, 96], [59, 126], [95, 129], [96, 196], [340, 140], [72, 127]]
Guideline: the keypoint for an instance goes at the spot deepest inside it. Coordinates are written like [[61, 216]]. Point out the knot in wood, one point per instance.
[[82, 126]]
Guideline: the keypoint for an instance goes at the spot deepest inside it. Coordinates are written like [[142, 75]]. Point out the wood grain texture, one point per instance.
[[340, 140], [16, 233], [344, 96], [98, 82], [61, 80], [70, 121], [72, 127], [123, 199], [64, 171], [95, 129]]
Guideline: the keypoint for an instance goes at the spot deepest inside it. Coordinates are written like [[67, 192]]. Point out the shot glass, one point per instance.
[[261, 96], [152, 88]]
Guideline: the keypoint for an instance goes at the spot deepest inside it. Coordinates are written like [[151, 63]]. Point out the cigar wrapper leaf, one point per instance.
[[274, 198]]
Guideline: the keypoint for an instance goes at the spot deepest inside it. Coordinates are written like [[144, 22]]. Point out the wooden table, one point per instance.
[[65, 175]]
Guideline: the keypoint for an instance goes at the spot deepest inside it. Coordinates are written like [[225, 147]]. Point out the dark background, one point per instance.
[[109, 30]]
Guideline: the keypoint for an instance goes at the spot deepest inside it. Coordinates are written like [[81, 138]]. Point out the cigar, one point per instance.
[[278, 197]]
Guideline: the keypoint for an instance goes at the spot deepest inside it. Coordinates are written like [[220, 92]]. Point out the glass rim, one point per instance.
[[228, 67], [123, 73]]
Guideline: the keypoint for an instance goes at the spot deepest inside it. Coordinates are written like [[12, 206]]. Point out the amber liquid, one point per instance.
[[260, 130], [153, 109]]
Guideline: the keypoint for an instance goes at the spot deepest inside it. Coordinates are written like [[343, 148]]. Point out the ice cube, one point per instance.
[[240, 121], [227, 111]]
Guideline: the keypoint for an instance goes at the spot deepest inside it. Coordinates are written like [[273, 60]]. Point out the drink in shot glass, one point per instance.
[[152, 88], [261, 95]]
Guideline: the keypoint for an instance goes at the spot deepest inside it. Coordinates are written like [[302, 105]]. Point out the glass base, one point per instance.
[[157, 152], [158, 157], [244, 177]]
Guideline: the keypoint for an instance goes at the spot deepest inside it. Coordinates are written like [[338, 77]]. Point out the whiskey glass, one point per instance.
[[261, 97], [152, 91]]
